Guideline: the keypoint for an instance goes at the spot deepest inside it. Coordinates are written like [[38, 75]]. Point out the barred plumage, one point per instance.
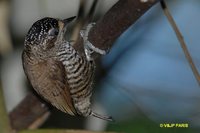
[[56, 70], [79, 76]]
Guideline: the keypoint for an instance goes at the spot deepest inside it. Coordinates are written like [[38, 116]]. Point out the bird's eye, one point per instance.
[[53, 32]]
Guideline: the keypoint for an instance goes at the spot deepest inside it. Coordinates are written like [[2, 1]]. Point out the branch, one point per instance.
[[81, 20], [30, 110], [122, 15], [181, 40]]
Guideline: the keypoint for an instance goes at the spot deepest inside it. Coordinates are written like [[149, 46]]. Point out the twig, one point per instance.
[[122, 15], [4, 120], [81, 20], [181, 40], [91, 11]]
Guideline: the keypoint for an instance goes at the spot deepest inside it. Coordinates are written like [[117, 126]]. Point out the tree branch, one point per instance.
[[30, 109], [122, 15]]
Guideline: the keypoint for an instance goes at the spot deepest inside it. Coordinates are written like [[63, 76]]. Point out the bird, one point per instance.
[[56, 70]]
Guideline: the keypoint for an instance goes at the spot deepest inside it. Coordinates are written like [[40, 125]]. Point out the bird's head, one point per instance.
[[44, 33]]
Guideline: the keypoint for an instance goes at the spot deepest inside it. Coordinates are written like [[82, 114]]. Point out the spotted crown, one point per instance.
[[39, 29]]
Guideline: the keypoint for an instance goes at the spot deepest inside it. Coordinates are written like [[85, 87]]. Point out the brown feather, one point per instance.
[[48, 78]]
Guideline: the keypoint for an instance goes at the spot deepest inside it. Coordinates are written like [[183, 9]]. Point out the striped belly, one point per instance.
[[80, 78]]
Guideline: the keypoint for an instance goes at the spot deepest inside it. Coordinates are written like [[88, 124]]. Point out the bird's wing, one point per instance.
[[49, 80]]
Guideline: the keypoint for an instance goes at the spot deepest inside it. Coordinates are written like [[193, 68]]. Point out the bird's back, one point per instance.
[[48, 78]]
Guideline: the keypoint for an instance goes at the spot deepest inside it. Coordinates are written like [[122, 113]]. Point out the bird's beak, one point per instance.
[[63, 27], [68, 20]]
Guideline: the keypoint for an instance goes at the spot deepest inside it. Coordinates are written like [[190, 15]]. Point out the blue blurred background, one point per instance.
[[145, 79], [146, 70]]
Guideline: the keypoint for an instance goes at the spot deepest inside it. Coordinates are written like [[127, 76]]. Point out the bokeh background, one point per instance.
[[145, 79]]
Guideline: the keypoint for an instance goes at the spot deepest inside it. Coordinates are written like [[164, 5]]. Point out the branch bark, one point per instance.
[[122, 15], [30, 109]]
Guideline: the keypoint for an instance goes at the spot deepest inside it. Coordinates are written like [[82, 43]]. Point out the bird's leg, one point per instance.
[[88, 46]]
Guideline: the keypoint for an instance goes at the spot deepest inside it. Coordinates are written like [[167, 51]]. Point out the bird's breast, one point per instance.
[[79, 73]]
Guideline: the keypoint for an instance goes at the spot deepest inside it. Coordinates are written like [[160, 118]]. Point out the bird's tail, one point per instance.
[[103, 117]]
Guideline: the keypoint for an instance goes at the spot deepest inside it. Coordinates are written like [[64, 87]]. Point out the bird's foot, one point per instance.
[[88, 46]]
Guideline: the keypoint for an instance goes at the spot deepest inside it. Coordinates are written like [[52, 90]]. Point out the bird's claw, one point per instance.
[[88, 46]]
